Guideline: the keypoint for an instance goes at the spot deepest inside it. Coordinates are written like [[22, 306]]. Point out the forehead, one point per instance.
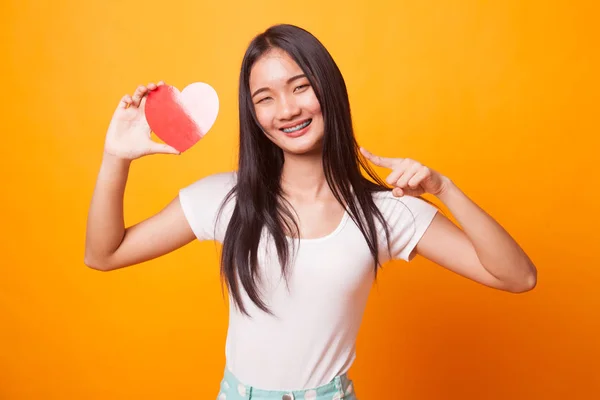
[[273, 68]]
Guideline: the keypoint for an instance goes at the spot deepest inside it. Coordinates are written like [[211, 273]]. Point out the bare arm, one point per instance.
[[109, 245], [482, 251]]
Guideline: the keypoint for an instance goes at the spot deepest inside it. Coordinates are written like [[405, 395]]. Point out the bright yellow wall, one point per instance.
[[501, 96]]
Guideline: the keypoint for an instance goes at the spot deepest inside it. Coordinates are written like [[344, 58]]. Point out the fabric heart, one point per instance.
[[181, 119]]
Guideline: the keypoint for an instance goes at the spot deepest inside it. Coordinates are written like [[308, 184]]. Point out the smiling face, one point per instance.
[[285, 103]]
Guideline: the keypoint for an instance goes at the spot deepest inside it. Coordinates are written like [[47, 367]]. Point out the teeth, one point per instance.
[[297, 127]]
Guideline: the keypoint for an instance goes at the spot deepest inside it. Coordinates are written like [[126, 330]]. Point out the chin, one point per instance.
[[301, 146], [300, 151]]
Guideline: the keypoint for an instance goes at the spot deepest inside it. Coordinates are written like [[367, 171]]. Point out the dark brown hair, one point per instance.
[[259, 202]]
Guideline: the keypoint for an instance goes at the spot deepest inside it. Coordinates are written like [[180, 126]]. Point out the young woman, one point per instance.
[[303, 231]]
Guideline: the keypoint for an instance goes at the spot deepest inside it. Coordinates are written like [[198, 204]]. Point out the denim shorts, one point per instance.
[[340, 387]]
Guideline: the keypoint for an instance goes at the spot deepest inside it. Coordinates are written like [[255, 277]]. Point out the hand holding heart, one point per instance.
[[409, 177], [180, 119], [128, 135]]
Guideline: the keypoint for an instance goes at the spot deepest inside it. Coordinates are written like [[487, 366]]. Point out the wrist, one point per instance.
[[447, 188], [112, 159], [114, 168]]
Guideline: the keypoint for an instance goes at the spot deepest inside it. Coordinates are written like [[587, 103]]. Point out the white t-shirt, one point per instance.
[[311, 339]]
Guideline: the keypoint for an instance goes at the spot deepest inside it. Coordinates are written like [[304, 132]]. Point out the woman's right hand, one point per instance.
[[128, 135]]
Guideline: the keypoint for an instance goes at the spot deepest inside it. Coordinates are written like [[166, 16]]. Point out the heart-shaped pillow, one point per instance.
[[181, 119]]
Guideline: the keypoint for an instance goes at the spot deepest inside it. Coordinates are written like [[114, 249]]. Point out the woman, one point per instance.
[[303, 231]]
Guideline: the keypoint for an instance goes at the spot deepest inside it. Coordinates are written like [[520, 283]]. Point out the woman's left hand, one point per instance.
[[409, 177]]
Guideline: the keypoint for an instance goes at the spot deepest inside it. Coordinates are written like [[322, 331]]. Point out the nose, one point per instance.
[[288, 108]]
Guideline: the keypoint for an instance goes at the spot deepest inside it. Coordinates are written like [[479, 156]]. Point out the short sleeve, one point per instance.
[[408, 218], [201, 202]]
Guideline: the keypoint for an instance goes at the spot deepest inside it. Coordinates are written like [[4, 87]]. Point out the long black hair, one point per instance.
[[259, 202]]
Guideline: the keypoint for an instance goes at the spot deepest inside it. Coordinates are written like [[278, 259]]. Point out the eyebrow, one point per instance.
[[292, 79]]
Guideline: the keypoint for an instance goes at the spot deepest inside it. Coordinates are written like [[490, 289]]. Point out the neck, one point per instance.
[[303, 177]]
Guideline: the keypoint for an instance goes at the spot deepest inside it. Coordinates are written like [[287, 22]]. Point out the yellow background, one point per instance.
[[500, 96]]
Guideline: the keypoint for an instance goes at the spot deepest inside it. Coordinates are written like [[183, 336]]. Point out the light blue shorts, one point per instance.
[[340, 387]]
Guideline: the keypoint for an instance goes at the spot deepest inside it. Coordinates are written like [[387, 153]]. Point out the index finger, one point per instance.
[[379, 161]]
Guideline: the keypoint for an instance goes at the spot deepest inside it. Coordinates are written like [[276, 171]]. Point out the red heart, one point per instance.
[[181, 119]]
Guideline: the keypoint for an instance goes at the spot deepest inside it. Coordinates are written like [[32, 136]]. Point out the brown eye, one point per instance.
[[302, 86]]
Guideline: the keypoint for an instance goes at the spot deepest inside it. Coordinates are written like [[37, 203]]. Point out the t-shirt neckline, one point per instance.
[[327, 236]]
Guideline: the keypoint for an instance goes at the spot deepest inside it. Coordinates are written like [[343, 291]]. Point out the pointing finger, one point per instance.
[[379, 161]]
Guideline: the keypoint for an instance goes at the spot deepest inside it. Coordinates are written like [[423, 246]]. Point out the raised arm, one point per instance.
[[109, 245], [481, 251]]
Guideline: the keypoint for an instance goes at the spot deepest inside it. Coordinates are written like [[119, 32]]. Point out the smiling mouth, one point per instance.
[[297, 127]]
